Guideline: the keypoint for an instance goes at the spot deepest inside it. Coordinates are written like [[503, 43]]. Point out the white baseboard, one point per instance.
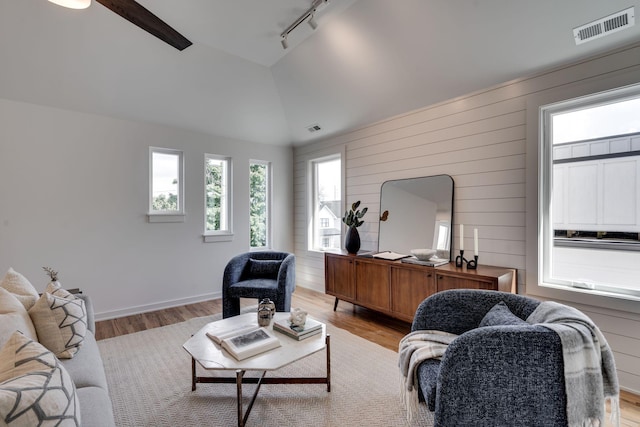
[[114, 314]]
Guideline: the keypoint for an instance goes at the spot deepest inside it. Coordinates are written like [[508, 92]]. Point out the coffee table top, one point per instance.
[[211, 356]]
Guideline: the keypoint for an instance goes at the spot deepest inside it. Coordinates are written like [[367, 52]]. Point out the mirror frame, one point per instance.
[[414, 179]]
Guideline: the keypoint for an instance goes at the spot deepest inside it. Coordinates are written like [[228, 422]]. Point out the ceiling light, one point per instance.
[[309, 14], [73, 4]]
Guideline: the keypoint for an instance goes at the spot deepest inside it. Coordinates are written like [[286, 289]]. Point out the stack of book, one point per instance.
[[245, 341], [310, 328]]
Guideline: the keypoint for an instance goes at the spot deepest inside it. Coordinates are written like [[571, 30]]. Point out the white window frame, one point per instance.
[[226, 231], [269, 191], [311, 202], [166, 215], [545, 186]]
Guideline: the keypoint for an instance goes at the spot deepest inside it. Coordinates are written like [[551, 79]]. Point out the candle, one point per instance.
[[461, 237], [475, 241]]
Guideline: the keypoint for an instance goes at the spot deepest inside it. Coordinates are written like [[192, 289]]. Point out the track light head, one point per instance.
[[284, 42], [312, 22]]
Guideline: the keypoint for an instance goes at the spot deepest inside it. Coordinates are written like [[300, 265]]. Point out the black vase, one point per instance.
[[352, 240]]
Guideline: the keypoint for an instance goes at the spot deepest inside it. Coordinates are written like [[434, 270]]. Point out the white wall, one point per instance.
[[74, 196], [487, 141]]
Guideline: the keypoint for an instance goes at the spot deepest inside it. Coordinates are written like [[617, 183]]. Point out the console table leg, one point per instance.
[[335, 304]]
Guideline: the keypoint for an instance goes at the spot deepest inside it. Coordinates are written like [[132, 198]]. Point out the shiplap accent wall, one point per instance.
[[483, 141]]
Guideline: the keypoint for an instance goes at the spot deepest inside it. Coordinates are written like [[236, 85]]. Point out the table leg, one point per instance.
[[335, 304], [328, 341], [193, 374], [239, 375]]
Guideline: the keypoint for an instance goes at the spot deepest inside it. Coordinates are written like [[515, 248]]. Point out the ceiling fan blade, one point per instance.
[[134, 12]]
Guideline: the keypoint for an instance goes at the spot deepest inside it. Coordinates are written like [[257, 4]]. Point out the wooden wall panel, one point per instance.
[[481, 141]]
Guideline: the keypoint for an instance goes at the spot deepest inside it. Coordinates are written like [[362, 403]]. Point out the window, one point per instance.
[[326, 203], [166, 200], [259, 203], [217, 194], [590, 194]]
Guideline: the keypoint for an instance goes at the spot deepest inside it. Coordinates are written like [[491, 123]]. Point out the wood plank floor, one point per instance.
[[373, 326]]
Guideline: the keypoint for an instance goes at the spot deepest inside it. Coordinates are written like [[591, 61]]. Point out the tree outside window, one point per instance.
[[259, 204], [217, 193]]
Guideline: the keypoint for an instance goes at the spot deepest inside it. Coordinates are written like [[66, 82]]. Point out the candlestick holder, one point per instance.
[[461, 261], [473, 264]]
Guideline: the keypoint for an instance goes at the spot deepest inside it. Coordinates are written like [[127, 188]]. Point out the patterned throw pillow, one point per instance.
[[13, 317], [60, 321], [20, 287], [35, 389]]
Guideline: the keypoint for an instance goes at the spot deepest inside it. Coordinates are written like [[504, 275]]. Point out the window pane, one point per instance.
[[326, 204], [259, 204], [216, 194], [591, 193], [165, 181]]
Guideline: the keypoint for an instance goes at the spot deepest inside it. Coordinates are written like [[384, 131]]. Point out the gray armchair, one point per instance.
[[265, 274], [509, 375]]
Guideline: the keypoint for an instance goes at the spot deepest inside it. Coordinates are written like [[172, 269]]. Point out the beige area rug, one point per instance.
[[149, 375]]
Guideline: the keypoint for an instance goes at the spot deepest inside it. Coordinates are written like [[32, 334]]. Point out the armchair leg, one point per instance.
[[335, 304]]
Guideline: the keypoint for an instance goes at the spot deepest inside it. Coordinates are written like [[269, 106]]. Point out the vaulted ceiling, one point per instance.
[[366, 61]]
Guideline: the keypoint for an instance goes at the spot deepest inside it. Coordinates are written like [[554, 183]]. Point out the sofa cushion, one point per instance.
[[85, 368], [20, 287], [35, 389], [263, 268], [95, 409], [13, 317], [500, 315], [60, 322]]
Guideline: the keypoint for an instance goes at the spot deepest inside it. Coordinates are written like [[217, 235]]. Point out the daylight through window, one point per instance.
[[259, 203], [590, 194], [217, 177], [165, 194], [326, 203]]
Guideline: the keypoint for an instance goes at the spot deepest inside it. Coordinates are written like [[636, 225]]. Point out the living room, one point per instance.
[[74, 156]]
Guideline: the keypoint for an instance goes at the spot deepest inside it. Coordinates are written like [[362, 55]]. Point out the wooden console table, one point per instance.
[[396, 288]]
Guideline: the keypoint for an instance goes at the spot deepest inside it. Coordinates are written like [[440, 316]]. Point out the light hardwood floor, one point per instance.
[[368, 324]]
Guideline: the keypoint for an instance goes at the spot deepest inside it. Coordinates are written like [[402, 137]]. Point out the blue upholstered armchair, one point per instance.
[[509, 375], [264, 274]]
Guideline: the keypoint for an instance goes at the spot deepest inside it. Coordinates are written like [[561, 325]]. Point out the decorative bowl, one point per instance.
[[423, 254]]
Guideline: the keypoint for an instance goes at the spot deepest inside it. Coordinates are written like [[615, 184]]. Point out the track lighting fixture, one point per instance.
[[73, 4], [308, 15], [312, 22]]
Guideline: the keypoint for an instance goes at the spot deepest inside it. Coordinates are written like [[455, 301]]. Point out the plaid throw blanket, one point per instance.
[[589, 369], [415, 348]]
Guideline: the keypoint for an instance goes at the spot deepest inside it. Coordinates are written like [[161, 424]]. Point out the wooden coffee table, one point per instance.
[[212, 357]]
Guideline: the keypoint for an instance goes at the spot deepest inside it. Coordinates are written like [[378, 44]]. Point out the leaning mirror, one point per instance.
[[416, 213]]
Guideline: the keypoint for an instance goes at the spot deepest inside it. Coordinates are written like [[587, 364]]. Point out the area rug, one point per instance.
[[149, 376]]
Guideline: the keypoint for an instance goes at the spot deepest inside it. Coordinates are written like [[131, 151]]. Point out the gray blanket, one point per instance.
[[589, 368], [413, 349]]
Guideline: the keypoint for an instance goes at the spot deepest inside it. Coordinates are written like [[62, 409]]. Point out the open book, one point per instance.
[[246, 342], [390, 255]]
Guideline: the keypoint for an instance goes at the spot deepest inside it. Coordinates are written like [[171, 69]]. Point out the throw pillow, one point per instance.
[[19, 286], [13, 317], [35, 389], [60, 322], [501, 315], [264, 268]]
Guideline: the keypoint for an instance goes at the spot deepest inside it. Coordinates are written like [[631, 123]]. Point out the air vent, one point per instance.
[[605, 26], [313, 128]]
